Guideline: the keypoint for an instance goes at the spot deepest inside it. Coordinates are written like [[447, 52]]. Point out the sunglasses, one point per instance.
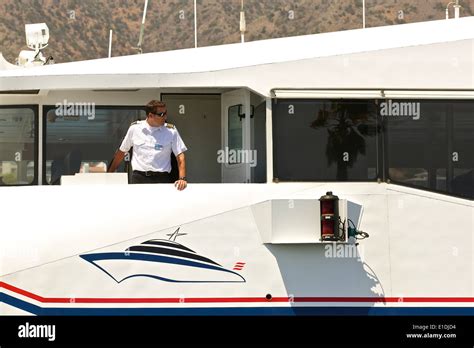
[[160, 114]]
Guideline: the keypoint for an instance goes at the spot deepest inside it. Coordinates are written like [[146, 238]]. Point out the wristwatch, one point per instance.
[[182, 178]]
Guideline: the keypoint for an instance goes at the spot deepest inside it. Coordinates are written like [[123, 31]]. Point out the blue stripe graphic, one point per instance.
[[241, 311]]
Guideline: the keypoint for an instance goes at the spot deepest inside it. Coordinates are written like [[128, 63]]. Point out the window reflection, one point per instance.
[[85, 145], [435, 150], [342, 140], [461, 150], [17, 146], [325, 140], [413, 176]]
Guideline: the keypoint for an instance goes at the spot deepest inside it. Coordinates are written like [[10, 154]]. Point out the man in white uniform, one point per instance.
[[153, 140]]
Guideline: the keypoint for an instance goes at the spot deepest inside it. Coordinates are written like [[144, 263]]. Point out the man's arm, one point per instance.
[[122, 150], [118, 158], [181, 184]]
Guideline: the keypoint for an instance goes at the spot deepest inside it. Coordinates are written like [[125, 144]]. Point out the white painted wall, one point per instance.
[[420, 243], [198, 120]]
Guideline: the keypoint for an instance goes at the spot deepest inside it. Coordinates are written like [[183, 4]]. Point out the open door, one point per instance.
[[233, 156]]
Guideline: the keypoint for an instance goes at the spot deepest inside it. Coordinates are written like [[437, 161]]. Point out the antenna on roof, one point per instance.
[[110, 43], [142, 30], [195, 26], [456, 7], [242, 23], [363, 13]]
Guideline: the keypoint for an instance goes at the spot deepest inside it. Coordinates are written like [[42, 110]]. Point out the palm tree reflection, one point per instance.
[[348, 124]]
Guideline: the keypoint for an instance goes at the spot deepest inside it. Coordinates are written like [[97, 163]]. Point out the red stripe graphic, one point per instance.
[[239, 266], [232, 299]]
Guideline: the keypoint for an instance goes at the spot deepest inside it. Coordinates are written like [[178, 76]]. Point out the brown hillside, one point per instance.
[[79, 29]]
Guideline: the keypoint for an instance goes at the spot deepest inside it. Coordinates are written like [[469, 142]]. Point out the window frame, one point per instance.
[[35, 109]]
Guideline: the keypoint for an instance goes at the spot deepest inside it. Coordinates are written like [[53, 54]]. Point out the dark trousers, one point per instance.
[[155, 178]]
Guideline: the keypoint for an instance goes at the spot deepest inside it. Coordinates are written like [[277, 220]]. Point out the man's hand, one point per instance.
[[180, 184]]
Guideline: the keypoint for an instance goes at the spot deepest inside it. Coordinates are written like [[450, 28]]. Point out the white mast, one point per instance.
[[195, 26], [363, 13], [457, 8], [142, 29], [242, 23], [110, 43]]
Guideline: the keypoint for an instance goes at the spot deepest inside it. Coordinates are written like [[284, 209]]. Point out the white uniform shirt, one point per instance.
[[152, 146]]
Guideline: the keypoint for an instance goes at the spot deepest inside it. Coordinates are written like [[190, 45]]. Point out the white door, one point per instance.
[[235, 136]]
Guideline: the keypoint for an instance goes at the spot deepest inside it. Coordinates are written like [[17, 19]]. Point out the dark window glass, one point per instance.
[[461, 154], [17, 145], [431, 148], [86, 141], [416, 142], [325, 140]]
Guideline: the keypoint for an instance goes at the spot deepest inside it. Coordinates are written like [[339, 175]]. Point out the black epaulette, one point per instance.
[[136, 122], [170, 125]]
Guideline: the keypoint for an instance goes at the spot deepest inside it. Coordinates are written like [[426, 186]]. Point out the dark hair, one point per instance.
[[153, 105]]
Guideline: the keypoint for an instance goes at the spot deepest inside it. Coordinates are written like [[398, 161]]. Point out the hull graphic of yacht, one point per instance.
[[163, 259]]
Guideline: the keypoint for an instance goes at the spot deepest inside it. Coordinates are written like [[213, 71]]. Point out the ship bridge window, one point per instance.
[[18, 126], [325, 140], [432, 148], [85, 141], [424, 144]]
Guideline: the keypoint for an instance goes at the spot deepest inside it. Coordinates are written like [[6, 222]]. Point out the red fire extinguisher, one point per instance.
[[329, 209]]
